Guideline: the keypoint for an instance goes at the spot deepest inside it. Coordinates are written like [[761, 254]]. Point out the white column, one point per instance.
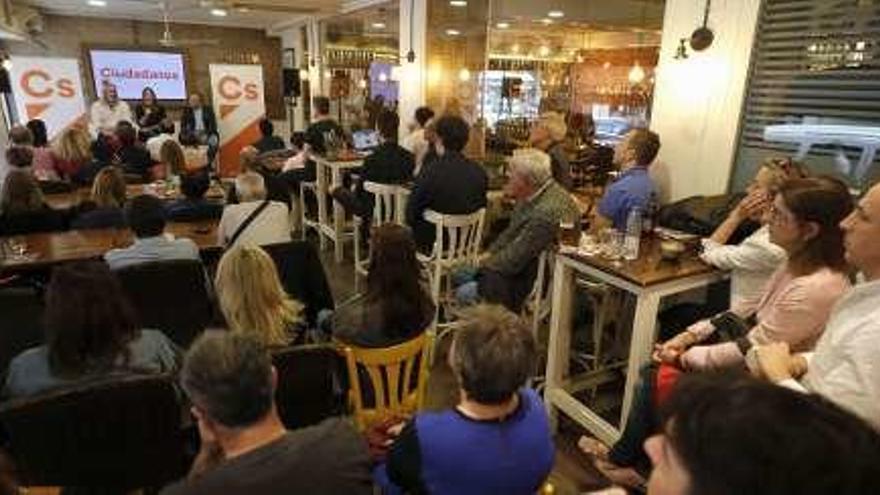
[[317, 83], [698, 101], [412, 75]]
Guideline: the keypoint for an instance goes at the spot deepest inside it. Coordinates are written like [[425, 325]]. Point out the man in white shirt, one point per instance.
[[269, 220], [108, 111], [415, 142], [146, 218], [843, 368]]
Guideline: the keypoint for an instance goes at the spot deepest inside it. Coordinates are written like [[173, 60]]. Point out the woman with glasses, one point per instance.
[[804, 221]]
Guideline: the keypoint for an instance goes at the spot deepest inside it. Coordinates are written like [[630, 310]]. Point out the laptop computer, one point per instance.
[[365, 140]]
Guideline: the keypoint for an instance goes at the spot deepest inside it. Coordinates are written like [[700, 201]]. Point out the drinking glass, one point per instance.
[[612, 243]]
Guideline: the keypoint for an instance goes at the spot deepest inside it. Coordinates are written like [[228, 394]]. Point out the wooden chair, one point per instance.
[[456, 245], [388, 207], [388, 372], [121, 433], [539, 299]]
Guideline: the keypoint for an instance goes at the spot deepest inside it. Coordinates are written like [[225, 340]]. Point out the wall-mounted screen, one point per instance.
[[132, 71]]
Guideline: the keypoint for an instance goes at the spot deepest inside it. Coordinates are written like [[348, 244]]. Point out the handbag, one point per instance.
[[730, 327], [247, 222]]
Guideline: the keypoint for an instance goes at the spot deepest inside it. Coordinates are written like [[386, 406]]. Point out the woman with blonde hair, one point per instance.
[[104, 208], [72, 152], [172, 161], [252, 299]]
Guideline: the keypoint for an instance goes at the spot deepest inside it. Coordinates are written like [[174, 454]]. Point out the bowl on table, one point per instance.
[[671, 249]]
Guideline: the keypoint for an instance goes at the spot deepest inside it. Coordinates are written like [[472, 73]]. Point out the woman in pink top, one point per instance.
[[798, 298], [804, 221]]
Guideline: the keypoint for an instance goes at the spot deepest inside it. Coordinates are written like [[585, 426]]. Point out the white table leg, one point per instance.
[[338, 217], [558, 346], [641, 345], [321, 198]]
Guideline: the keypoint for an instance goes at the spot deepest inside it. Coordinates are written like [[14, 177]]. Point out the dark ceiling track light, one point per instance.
[[702, 37], [411, 54]]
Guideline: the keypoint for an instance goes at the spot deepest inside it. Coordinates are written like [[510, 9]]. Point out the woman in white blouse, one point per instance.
[[752, 261]]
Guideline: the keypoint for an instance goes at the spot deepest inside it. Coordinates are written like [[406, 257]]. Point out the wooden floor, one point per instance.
[[572, 473]]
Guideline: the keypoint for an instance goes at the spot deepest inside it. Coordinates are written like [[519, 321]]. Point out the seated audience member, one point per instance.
[[90, 333], [633, 187], [43, 163], [416, 142], [196, 155], [198, 121], [145, 215], [131, 154], [245, 449], [796, 304], [507, 270], [276, 189], [165, 134], [252, 299], [108, 111], [548, 135], [497, 439], [387, 164], [452, 184], [193, 206], [268, 140], [20, 158], [149, 114], [730, 435], [256, 220], [322, 126], [73, 155], [751, 262], [22, 207], [397, 305], [172, 162], [20, 135], [104, 208], [843, 367]]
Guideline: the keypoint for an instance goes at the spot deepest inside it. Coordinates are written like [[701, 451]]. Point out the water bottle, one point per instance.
[[633, 234]]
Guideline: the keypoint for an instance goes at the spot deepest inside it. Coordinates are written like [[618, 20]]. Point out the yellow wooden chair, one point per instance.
[[390, 371]]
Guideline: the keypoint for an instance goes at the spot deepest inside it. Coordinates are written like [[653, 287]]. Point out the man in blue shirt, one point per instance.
[[634, 187]]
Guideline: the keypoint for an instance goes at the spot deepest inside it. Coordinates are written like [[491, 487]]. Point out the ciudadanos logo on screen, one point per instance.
[[131, 72]]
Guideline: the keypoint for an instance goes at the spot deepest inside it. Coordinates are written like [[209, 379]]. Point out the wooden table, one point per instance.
[[64, 201], [329, 177], [649, 279], [46, 249]]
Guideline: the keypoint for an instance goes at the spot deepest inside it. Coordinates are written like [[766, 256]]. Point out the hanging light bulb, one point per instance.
[[515, 48], [464, 75], [636, 74], [362, 84]]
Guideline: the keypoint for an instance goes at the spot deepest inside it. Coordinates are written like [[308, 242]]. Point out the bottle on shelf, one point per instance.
[[649, 221], [633, 234]]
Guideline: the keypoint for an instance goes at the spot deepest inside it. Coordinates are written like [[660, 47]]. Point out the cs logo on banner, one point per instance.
[[49, 89], [232, 91]]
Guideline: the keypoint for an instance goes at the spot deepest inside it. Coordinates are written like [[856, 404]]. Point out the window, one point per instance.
[[814, 89]]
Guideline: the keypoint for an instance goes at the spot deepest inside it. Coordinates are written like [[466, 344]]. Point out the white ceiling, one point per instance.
[[260, 14]]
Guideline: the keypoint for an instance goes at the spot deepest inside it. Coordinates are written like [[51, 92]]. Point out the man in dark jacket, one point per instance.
[[199, 120], [452, 185]]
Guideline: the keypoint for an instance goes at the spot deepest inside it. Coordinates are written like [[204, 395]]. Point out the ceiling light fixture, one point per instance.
[[556, 14], [378, 25], [458, 3], [97, 3], [546, 22], [453, 32], [219, 12], [515, 48], [502, 25], [464, 75], [636, 74], [544, 50]]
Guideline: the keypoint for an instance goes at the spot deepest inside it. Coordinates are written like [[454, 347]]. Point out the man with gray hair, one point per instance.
[[507, 270], [245, 449], [257, 219]]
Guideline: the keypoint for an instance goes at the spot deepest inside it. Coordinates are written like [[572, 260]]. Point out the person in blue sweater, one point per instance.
[[633, 187], [497, 439]]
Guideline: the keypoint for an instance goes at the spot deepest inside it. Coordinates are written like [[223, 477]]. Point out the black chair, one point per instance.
[[311, 384], [55, 186], [302, 276], [117, 434], [171, 296]]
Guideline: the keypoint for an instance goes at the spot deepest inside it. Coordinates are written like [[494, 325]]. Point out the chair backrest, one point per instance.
[[396, 375], [171, 296], [388, 202], [457, 239], [123, 432], [311, 384], [302, 275]]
